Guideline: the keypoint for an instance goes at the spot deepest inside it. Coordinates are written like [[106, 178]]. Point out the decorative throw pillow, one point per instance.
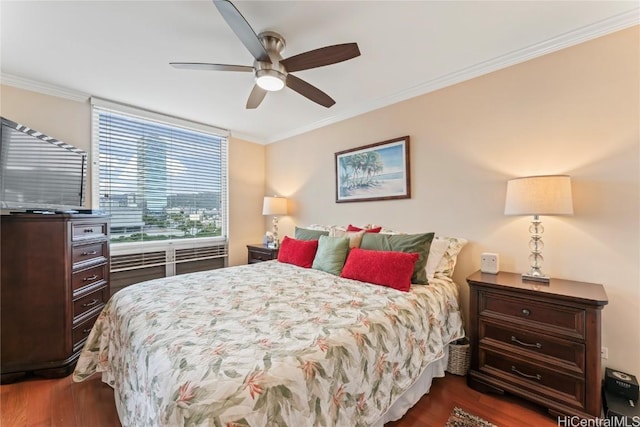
[[410, 243], [368, 230], [391, 269], [309, 234], [450, 257], [436, 252], [297, 252], [355, 237], [332, 251]]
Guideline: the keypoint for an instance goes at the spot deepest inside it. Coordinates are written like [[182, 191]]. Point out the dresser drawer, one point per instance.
[[89, 276], [256, 256], [91, 253], [82, 231], [81, 332], [563, 320], [90, 302], [565, 388], [567, 354], [261, 253]]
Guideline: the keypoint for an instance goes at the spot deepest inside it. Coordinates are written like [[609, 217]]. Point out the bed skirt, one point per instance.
[[421, 387]]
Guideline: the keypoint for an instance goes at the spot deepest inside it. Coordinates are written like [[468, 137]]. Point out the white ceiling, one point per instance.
[[120, 51]]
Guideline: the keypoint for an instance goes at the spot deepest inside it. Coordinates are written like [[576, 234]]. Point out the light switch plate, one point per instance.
[[489, 262]]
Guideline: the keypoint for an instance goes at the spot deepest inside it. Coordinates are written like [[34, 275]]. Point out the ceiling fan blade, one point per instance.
[[209, 67], [243, 30], [309, 91], [320, 57], [256, 97]]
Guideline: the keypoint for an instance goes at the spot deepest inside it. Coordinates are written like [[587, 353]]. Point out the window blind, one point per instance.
[[159, 181]]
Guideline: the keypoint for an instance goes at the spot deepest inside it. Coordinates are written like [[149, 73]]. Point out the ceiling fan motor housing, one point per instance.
[[271, 76]]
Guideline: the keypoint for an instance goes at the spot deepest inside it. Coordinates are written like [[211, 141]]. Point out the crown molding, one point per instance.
[[248, 137], [44, 88], [562, 41]]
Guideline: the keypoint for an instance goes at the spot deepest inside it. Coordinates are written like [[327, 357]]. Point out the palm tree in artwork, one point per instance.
[[360, 170], [373, 166]]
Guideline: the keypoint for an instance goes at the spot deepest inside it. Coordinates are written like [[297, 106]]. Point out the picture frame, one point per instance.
[[379, 171]]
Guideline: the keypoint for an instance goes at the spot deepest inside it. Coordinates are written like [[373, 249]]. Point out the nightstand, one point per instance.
[[537, 341], [259, 253]]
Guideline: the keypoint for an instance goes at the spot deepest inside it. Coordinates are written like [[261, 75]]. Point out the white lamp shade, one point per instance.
[[274, 206], [539, 195]]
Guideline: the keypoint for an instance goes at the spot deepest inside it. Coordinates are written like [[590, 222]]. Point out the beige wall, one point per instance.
[[572, 112], [246, 192], [70, 121], [59, 118]]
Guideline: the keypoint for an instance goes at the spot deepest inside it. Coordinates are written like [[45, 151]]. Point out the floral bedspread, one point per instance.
[[267, 344]]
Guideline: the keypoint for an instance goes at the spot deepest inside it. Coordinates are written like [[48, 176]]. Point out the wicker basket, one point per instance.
[[459, 357]]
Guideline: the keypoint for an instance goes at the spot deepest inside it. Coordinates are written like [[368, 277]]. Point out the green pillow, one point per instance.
[[417, 243], [331, 254], [308, 234]]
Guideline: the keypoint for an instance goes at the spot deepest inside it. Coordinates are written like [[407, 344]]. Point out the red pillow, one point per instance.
[[387, 268], [370, 230], [298, 252]]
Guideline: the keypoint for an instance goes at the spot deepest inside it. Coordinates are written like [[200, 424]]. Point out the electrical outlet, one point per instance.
[[489, 263], [604, 353]]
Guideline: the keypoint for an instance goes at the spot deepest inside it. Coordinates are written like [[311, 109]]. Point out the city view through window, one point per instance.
[[160, 182]]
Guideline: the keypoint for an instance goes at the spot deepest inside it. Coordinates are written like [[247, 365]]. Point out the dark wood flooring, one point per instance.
[[63, 403]]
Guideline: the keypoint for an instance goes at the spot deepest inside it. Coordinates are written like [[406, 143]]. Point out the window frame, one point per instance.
[[121, 248]]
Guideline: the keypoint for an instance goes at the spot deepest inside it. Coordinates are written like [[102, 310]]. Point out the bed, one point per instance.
[[270, 344]]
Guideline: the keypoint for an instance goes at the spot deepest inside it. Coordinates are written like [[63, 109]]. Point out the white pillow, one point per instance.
[[355, 237], [319, 227], [436, 252], [336, 227], [450, 257]]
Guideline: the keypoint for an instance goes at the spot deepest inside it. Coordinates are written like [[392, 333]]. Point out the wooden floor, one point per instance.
[[62, 403]]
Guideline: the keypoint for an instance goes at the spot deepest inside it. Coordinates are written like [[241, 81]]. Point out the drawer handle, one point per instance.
[[92, 302], [531, 377], [525, 344], [86, 279], [526, 312], [86, 331], [88, 230], [89, 253]]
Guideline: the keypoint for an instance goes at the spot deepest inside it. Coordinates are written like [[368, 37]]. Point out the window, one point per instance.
[[162, 180]]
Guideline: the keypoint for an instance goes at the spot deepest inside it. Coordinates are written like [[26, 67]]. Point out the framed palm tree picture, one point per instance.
[[377, 171]]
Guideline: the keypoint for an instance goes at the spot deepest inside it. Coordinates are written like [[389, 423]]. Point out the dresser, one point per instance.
[[54, 283], [537, 341], [260, 252]]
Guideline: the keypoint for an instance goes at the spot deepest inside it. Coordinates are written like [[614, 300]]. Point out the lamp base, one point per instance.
[[273, 245], [535, 278]]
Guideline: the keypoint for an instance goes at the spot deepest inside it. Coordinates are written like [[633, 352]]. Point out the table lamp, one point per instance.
[[538, 195], [274, 206]]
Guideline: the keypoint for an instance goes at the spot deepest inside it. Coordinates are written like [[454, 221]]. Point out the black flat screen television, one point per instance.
[[38, 172]]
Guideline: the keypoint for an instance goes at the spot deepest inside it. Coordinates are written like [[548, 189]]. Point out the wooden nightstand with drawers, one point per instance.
[[538, 341], [260, 252]]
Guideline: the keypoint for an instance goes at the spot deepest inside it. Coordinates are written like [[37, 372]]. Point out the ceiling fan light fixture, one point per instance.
[[271, 80]]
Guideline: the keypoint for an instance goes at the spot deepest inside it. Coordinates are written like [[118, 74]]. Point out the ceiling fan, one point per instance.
[[271, 71]]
